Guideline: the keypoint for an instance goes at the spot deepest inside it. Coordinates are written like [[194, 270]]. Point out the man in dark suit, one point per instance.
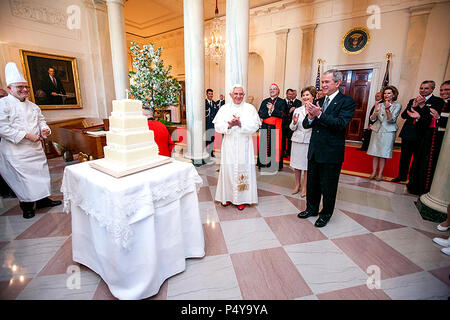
[[328, 117], [292, 104], [417, 116], [52, 87], [367, 132], [221, 101], [210, 112]]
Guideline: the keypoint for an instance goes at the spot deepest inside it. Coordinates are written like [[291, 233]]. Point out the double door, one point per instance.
[[356, 84]]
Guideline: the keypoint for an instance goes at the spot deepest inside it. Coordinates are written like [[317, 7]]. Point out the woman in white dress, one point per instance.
[[300, 141]]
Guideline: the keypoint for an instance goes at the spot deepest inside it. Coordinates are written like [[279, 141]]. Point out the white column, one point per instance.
[[236, 63], [118, 46], [194, 62], [280, 58], [439, 196], [307, 54]]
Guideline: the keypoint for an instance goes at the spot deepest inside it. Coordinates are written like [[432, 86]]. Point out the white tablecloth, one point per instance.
[[135, 231]]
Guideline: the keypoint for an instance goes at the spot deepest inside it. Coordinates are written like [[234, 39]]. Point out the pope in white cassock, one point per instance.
[[23, 164], [237, 177]]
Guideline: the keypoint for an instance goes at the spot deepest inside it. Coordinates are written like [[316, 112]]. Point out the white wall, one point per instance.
[[334, 19], [40, 26]]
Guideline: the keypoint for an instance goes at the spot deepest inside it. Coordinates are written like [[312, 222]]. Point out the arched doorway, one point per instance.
[[255, 79]]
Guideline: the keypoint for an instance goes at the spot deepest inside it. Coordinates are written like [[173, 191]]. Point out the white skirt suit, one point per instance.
[[300, 141]]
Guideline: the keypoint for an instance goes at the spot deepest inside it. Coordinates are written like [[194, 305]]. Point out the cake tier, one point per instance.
[[130, 157], [126, 123], [129, 138], [127, 105]]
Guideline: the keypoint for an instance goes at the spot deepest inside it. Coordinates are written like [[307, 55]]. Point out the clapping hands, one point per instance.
[[295, 118], [270, 107], [313, 110], [413, 114], [419, 101], [377, 108], [234, 122], [434, 113]]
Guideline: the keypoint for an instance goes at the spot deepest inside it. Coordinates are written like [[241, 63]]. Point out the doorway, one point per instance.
[[356, 84]]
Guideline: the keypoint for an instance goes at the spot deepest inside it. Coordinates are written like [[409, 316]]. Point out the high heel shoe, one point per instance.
[[296, 190], [440, 227], [372, 176], [303, 194], [379, 178]]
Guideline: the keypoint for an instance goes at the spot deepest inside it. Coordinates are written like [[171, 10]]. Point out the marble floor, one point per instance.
[[376, 246]]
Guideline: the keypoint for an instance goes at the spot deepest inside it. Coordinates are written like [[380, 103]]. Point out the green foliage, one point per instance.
[[152, 82], [165, 122]]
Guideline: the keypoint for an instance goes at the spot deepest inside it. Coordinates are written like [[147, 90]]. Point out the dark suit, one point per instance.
[[428, 147], [220, 103], [287, 132], [48, 87], [326, 153], [411, 132], [210, 113]]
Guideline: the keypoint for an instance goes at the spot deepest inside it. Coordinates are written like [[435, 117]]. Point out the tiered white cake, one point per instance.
[[129, 142], [130, 145]]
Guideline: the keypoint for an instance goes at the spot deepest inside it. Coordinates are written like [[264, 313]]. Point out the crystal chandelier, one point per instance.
[[214, 45]]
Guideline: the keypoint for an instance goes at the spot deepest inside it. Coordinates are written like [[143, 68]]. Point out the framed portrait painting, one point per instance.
[[356, 40], [53, 80]]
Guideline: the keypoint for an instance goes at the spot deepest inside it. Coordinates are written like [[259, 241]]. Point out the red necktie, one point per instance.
[[54, 81]]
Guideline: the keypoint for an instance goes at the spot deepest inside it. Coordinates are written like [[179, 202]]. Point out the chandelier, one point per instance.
[[214, 45]]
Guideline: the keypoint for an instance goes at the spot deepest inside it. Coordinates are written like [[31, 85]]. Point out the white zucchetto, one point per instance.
[[12, 74]]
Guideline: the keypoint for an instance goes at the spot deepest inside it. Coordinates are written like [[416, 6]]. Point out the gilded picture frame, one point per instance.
[[53, 80], [355, 40]]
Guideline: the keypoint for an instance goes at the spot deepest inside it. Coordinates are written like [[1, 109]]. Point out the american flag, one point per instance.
[[386, 75], [318, 78]]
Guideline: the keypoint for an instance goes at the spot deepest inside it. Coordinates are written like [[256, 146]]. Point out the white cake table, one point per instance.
[[135, 231]]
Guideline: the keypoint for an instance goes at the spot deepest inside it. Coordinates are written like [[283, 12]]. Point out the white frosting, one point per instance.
[[129, 140], [128, 122], [127, 105], [131, 156]]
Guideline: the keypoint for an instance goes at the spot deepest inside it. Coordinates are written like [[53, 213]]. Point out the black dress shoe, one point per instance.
[[321, 222], [398, 179], [28, 214], [47, 202], [305, 214]]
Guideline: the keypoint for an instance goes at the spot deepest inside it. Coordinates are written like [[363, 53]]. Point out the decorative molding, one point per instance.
[[282, 32], [24, 9], [419, 10], [309, 27], [95, 4]]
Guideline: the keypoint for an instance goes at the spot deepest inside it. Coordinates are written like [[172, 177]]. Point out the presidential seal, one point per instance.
[[356, 40]]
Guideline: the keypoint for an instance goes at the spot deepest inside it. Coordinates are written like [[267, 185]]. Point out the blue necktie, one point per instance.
[[325, 105]]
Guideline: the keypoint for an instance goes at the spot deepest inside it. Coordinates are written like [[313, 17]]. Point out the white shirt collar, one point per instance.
[[428, 97], [332, 96]]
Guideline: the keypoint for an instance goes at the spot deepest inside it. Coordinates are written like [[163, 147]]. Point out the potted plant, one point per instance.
[[151, 82]]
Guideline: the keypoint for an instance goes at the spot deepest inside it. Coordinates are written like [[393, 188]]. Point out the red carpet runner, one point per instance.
[[356, 163]]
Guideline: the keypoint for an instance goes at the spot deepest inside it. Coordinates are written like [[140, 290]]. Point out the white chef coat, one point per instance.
[[23, 164]]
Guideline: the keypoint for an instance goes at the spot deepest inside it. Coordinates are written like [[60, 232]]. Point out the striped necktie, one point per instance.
[[327, 102]]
